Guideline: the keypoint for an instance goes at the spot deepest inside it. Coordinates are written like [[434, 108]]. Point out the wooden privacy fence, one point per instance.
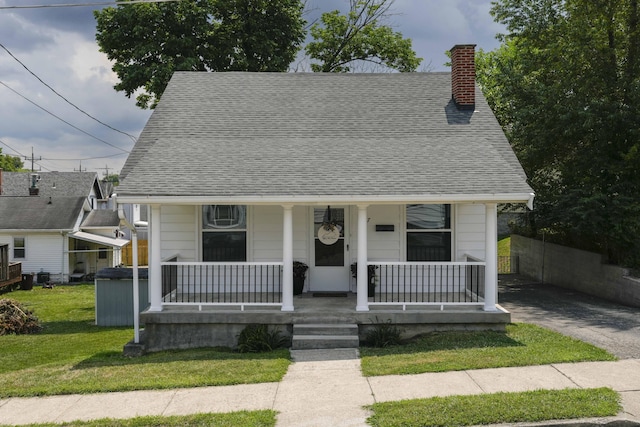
[[143, 253]]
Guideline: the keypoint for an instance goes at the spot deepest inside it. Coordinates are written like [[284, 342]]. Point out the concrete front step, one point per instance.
[[325, 329], [322, 335], [316, 342]]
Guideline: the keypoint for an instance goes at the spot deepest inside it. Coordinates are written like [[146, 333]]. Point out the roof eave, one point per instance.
[[329, 199], [35, 230]]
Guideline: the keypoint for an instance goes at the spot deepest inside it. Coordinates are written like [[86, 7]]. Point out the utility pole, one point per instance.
[[80, 170], [33, 159], [106, 171]]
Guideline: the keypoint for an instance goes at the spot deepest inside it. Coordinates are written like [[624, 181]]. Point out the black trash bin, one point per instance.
[[43, 277], [27, 282]]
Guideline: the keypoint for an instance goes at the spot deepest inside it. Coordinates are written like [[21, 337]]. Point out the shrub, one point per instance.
[[259, 338], [383, 334], [16, 319]]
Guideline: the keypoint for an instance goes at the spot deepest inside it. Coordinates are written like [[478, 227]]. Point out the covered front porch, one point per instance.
[[465, 280], [207, 303]]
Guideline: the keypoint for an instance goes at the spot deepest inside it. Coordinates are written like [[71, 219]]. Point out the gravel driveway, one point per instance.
[[607, 325]]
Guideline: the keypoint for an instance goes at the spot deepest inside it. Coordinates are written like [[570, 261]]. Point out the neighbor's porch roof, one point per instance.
[[101, 240]]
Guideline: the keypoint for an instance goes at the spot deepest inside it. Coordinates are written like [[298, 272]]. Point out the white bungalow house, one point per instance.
[[245, 173], [58, 224]]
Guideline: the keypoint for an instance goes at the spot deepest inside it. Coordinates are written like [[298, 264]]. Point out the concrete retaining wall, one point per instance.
[[575, 269], [183, 328]]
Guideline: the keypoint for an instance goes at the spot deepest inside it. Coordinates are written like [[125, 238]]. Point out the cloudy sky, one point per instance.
[[58, 46]]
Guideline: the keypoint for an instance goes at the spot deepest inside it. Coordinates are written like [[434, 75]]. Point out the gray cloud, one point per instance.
[[58, 44]]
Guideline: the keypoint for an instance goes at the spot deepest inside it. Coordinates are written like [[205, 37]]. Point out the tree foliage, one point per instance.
[[10, 163], [340, 41], [565, 85], [149, 41]]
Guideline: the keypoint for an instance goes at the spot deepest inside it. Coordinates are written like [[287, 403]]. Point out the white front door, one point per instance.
[[330, 250]]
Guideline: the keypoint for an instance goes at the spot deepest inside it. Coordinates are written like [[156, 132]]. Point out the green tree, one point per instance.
[[359, 37], [113, 178], [148, 42], [10, 163], [565, 85]]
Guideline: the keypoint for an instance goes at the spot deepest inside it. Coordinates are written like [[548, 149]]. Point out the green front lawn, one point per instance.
[[72, 355], [231, 419], [498, 408], [521, 345]]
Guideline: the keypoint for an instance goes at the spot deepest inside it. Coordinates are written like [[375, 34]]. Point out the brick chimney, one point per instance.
[[463, 76]]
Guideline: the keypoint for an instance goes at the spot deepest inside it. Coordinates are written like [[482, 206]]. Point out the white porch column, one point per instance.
[[363, 276], [491, 257], [155, 268], [287, 259], [136, 287]]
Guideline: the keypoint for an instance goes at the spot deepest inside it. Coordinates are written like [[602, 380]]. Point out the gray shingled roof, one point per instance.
[[54, 184], [101, 218], [297, 134], [36, 213]]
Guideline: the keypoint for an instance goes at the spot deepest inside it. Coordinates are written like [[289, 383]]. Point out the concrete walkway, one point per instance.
[[326, 388]]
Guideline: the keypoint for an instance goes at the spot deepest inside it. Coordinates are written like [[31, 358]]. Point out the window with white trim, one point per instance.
[[429, 232], [19, 248], [224, 233]]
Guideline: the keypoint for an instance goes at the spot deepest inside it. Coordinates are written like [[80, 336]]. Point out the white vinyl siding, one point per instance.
[[181, 232], [266, 233], [178, 230], [382, 245], [44, 253], [470, 231]]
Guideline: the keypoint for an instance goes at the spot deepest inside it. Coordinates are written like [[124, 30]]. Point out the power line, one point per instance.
[[86, 158], [40, 164], [61, 119], [49, 160], [11, 148], [65, 99], [105, 3]]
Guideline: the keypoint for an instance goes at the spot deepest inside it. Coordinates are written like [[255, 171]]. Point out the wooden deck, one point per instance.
[[10, 276]]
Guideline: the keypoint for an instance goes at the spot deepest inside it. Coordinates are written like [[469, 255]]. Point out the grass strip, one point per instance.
[[73, 355], [521, 345], [232, 419], [504, 246], [498, 408]]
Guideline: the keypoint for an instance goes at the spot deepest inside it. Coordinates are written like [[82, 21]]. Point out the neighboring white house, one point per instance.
[[244, 173], [58, 223]]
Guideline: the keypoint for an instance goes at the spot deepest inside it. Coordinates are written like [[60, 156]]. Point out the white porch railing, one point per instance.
[[243, 284], [222, 283], [428, 283]]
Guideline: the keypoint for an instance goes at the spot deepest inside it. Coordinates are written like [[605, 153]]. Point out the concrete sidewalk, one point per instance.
[[326, 388]]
